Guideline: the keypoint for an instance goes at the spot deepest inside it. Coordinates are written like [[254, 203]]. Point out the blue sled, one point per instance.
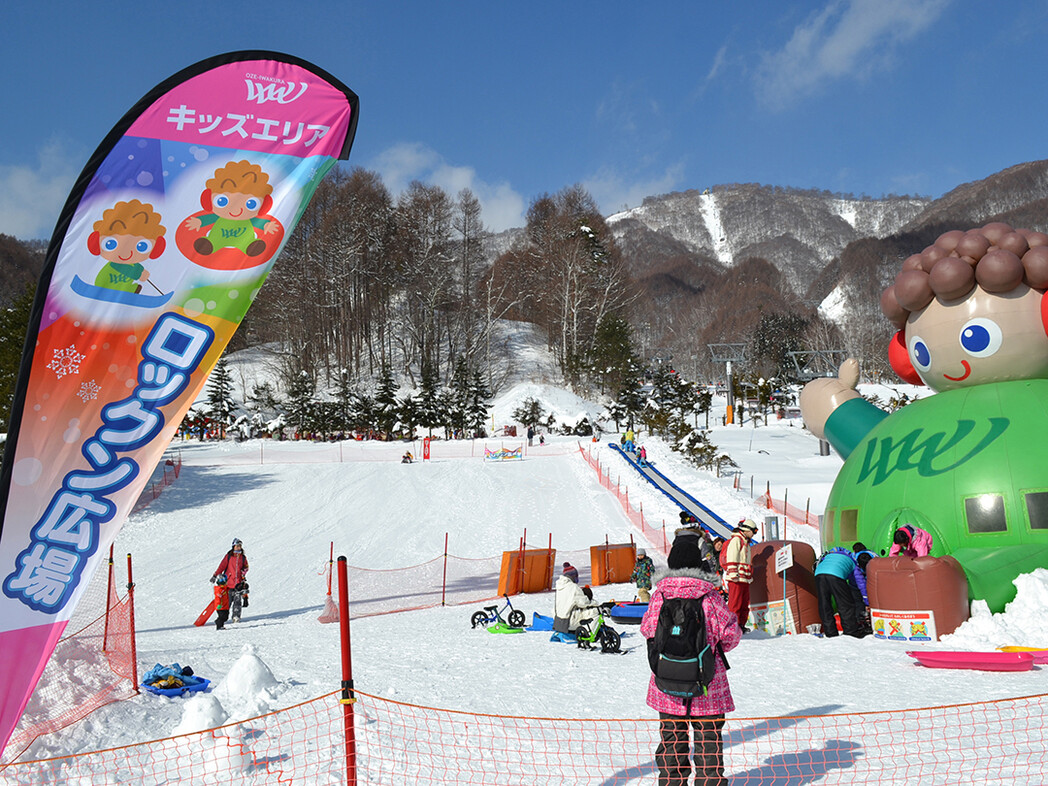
[[136, 299], [568, 638], [201, 685]]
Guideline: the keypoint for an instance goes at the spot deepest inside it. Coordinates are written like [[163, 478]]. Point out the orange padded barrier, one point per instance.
[[534, 574], [613, 563]]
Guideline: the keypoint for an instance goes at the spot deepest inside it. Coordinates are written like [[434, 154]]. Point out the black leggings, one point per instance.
[[673, 758]]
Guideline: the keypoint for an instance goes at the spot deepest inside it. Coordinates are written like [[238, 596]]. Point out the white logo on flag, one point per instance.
[[282, 94]]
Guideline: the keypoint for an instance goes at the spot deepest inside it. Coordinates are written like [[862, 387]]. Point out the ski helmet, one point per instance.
[[221, 578]]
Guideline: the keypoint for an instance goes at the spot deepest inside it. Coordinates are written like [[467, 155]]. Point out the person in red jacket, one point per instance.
[[234, 567], [221, 601]]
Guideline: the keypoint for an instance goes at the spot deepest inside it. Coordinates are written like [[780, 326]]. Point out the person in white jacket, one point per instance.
[[572, 605]]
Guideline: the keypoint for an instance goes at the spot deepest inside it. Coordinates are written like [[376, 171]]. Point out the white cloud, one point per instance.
[[847, 39], [502, 207], [718, 63], [31, 197], [614, 192]]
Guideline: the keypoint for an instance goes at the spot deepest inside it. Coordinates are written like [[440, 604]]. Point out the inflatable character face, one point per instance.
[[980, 338]]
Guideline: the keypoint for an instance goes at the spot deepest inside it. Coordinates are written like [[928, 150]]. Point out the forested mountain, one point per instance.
[[416, 286], [736, 263]]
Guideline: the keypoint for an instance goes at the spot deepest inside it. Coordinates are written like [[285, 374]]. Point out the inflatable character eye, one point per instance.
[[981, 337], [143, 246], [221, 201], [253, 203], [109, 244], [922, 358]]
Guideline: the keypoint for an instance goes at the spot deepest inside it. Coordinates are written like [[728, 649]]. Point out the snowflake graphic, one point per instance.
[[66, 361], [89, 390]]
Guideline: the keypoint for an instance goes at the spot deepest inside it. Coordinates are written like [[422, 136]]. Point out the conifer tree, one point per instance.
[[220, 403], [386, 402], [477, 406], [430, 412], [301, 397]]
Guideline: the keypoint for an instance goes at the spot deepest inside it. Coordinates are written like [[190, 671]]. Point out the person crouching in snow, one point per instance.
[[641, 576], [689, 576], [572, 605], [911, 541], [221, 601]]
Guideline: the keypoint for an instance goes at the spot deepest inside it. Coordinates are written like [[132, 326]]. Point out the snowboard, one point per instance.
[[205, 615]]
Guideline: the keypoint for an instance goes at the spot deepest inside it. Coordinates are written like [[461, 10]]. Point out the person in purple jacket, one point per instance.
[[689, 576]]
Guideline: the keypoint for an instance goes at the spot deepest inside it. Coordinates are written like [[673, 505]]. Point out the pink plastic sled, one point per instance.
[[983, 661]]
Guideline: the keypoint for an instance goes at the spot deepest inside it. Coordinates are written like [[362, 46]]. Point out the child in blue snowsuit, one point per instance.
[[840, 580]]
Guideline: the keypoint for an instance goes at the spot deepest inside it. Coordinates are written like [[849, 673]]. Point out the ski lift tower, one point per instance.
[[812, 364], [728, 354]]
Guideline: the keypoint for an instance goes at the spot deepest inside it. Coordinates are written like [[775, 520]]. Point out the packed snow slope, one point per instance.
[[385, 515]]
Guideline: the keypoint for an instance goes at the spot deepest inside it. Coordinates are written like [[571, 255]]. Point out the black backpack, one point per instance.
[[681, 659]]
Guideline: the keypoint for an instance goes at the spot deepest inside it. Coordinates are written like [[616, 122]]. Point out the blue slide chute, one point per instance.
[[709, 520]]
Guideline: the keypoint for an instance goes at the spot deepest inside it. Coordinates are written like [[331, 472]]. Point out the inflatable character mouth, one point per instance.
[[965, 375]]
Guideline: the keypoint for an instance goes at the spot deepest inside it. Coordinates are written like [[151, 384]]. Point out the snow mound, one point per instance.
[[203, 711], [249, 689], [1022, 623]]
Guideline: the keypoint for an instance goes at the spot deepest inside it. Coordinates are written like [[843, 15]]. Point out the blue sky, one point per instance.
[[517, 99]]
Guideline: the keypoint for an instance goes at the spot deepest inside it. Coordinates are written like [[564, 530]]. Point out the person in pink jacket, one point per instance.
[[911, 541], [690, 577]]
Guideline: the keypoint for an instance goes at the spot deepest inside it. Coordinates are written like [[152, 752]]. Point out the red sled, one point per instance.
[[205, 615]]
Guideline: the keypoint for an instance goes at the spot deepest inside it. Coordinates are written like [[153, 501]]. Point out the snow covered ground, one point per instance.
[[385, 515]]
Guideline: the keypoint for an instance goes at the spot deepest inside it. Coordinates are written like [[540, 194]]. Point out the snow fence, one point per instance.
[[999, 742]]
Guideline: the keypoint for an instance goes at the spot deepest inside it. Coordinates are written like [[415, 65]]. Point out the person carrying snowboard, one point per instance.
[[234, 567]]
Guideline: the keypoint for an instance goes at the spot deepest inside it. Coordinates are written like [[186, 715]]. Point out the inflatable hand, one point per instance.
[[820, 397]]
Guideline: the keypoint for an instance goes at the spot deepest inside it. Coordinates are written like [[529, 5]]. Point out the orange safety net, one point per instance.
[[164, 475], [787, 509], [656, 536], [261, 452], [1000, 742], [91, 666]]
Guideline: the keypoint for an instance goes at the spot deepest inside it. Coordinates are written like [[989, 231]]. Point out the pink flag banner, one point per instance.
[[164, 242]]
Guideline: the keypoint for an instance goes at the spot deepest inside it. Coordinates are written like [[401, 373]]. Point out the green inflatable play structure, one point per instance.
[[969, 464]]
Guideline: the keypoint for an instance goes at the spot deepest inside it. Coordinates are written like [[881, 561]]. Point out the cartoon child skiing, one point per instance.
[[127, 235], [234, 197]]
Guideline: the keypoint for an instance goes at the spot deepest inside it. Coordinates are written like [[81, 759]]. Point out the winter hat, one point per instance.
[[236, 542], [567, 566], [684, 554], [641, 553]]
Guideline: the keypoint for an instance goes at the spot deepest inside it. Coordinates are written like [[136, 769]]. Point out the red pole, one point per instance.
[[520, 562], [109, 598], [549, 563], [444, 581], [331, 563], [348, 699], [131, 613]]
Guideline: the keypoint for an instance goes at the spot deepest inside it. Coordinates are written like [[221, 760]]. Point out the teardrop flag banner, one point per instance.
[[165, 240]]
